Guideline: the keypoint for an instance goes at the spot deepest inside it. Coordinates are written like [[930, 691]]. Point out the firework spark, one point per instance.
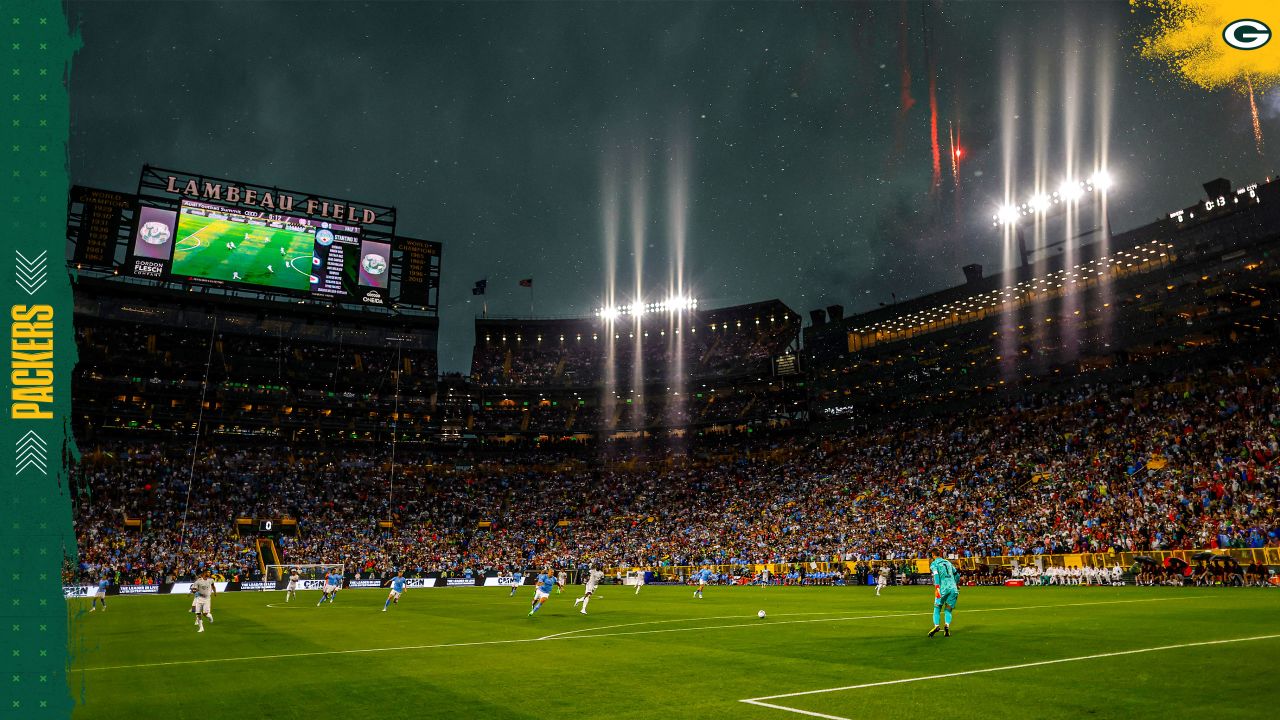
[[1257, 126]]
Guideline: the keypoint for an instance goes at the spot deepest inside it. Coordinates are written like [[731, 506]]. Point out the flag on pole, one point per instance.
[[527, 282], [480, 286]]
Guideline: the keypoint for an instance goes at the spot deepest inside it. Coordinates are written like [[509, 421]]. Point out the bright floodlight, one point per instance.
[[1071, 190], [1007, 215], [1101, 180], [609, 313], [1040, 202]]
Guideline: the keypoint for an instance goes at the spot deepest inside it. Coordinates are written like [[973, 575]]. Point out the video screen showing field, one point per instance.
[[225, 245]]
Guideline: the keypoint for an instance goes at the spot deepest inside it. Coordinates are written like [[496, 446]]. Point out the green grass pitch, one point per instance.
[[262, 255], [472, 652]]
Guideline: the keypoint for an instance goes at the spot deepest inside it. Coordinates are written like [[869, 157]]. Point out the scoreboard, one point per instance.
[[419, 269], [101, 218], [188, 231]]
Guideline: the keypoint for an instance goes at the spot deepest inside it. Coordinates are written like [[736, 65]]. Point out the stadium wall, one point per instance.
[[184, 588], [1266, 557]]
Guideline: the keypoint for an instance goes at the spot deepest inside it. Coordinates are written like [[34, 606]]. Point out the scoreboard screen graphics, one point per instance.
[[217, 245]]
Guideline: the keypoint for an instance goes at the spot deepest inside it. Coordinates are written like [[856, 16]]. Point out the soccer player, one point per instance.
[[271, 270], [231, 246], [702, 576], [291, 590], [335, 579], [883, 580], [100, 594], [945, 592], [516, 579], [397, 587], [639, 580], [203, 589], [281, 252], [328, 590], [593, 579], [560, 581], [235, 275], [546, 581]]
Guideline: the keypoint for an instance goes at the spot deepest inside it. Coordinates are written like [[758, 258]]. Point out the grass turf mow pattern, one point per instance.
[[201, 251], [828, 652]]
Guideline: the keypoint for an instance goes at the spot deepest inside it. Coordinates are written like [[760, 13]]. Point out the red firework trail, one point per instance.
[[933, 103], [905, 101], [955, 153]]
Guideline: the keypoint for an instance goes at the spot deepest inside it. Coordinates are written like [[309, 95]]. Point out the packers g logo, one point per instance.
[[1246, 34]]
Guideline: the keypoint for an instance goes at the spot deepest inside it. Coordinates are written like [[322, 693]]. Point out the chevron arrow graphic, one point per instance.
[[31, 451], [31, 273]]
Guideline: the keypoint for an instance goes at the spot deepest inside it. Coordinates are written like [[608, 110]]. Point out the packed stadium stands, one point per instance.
[[1039, 411]]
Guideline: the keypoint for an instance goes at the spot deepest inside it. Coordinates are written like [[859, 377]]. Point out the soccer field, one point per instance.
[[261, 256], [829, 652]]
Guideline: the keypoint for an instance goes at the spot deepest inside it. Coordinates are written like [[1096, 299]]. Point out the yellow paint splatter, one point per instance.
[[1187, 38]]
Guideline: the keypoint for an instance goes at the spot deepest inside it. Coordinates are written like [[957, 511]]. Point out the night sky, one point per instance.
[[503, 130]]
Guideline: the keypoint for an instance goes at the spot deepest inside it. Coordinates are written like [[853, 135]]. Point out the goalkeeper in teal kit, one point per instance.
[[945, 593]]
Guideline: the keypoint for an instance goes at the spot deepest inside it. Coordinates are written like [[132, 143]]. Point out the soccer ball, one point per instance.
[[760, 614]]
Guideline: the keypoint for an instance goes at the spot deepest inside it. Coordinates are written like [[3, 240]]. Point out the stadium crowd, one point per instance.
[[1187, 461]]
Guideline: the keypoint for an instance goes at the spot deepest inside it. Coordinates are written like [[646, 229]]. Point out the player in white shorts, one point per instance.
[[204, 590], [593, 579], [292, 589], [561, 579], [639, 580], [883, 580]]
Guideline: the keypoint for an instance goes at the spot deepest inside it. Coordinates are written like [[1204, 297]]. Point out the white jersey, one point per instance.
[[593, 579], [293, 582], [884, 576]]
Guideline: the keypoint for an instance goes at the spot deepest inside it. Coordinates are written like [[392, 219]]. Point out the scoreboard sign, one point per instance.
[[419, 269], [100, 222], [208, 231]]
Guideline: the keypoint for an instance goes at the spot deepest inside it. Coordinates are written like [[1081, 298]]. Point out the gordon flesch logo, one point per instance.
[[1246, 34]]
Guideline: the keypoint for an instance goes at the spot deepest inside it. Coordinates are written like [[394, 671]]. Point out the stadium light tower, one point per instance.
[[1042, 203], [673, 304]]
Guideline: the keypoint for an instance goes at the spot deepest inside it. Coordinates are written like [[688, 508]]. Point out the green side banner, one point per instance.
[[35, 437]]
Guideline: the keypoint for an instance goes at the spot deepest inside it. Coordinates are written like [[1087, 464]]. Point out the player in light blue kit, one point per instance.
[[546, 583], [397, 587], [336, 580], [702, 577], [516, 579], [945, 592], [100, 594]]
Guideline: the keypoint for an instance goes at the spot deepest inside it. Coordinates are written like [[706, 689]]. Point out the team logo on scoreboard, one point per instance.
[[374, 264], [324, 236], [155, 233]]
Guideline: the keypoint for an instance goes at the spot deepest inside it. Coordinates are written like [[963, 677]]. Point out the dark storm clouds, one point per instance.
[[489, 126]]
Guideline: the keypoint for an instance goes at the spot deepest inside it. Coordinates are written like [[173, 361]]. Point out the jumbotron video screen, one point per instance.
[[211, 244]]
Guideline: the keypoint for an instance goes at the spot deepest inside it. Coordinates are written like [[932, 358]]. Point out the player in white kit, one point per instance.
[[204, 590], [593, 579], [292, 588], [883, 581]]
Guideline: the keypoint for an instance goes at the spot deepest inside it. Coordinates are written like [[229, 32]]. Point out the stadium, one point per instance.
[[1049, 484], [1123, 436]]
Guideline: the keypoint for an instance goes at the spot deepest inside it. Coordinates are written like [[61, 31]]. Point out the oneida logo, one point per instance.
[[1246, 34]]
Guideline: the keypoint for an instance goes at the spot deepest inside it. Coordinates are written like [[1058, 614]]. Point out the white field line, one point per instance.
[[760, 700], [199, 243], [754, 623], [290, 262]]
